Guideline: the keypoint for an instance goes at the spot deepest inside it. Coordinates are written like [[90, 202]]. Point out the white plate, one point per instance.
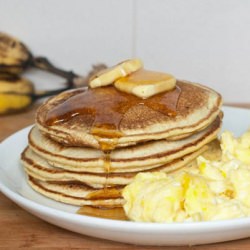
[[14, 186]]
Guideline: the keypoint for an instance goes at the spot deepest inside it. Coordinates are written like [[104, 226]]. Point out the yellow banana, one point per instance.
[[14, 55], [16, 94]]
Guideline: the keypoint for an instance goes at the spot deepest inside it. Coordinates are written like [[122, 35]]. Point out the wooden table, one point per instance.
[[19, 229]]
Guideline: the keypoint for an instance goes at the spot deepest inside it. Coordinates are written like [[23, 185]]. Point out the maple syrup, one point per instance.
[[106, 107], [109, 192], [113, 213], [107, 166]]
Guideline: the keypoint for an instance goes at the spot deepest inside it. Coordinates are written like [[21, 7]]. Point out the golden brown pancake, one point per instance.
[[40, 169], [95, 117], [67, 186], [135, 158], [77, 194], [88, 144]]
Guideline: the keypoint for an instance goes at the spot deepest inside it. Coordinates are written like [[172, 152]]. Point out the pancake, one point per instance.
[[134, 158], [40, 169], [88, 143], [213, 153], [76, 194], [80, 194], [76, 117]]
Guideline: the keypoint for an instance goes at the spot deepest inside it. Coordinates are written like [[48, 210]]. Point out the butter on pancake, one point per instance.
[[145, 83]]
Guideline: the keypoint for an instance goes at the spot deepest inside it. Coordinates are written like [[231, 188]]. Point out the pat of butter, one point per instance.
[[108, 76], [145, 83]]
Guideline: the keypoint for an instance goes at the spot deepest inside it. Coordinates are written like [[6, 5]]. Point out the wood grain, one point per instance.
[[21, 230]]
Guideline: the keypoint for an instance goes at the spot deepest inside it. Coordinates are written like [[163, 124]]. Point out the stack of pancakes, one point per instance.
[[88, 144]]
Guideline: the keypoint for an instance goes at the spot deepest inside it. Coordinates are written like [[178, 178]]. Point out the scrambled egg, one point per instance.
[[214, 190]]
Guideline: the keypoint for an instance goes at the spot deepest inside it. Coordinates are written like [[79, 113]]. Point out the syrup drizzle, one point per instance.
[[107, 167], [113, 213], [106, 107]]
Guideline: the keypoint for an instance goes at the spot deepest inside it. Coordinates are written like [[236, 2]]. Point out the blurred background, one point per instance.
[[201, 41]]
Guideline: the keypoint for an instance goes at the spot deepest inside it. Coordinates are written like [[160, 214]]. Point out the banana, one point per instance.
[[16, 94], [108, 76], [17, 84], [12, 102], [14, 55]]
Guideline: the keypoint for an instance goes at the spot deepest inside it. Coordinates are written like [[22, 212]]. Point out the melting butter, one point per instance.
[[144, 83]]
